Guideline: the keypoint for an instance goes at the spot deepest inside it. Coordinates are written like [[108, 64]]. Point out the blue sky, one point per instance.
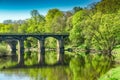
[[20, 9]]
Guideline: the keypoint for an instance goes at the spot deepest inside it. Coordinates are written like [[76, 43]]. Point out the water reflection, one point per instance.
[[81, 67], [13, 76], [56, 73]]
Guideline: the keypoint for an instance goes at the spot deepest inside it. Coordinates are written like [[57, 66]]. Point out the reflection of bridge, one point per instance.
[[41, 48]]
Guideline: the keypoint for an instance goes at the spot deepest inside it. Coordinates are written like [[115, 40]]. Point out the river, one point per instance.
[[48, 73], [42, 73], [89, 67]]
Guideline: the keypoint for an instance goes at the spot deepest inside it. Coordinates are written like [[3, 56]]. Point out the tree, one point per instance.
[[34, 13], [108, 6], [7, 22], [6, 28], [103, 31], [33, 25], [69, 24], [55, 21], [36, 16], [76, 9], [76, 35], [23, 28]]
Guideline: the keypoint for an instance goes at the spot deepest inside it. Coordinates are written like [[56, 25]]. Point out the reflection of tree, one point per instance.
[[48, 73], [56, 73], [89, 67], [85, 67]]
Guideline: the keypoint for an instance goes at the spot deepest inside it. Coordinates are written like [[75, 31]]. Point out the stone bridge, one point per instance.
[[41, 48]]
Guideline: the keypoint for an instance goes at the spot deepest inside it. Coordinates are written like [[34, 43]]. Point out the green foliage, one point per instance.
[[6, 63], [50, 42], [55, 22], [30, 26], [108, 6], [98, 31], [6, 28], [103, 31], [113, 74], [31, 59], [33, 25], [3, 49], [76, 35], [76, 9], [51, 57], [69, 24]]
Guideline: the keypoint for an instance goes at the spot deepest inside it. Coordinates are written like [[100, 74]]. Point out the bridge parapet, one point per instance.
[[24, 36]]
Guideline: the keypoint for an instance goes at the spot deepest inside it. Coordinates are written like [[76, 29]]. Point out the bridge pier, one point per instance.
[[41, 52], [21, 52], [60, 51]]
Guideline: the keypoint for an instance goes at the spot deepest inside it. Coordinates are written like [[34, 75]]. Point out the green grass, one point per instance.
[[113, 74], [116, 54]]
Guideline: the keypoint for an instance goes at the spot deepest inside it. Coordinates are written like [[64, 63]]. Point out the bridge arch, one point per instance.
[[50, 50], [41, 45], [31, 50]]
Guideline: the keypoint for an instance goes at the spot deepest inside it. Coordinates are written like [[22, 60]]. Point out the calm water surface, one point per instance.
[[13, 76], [54, 73], [44, 73], [79, 68]]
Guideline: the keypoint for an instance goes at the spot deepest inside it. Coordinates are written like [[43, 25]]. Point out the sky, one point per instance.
[[20, 9]]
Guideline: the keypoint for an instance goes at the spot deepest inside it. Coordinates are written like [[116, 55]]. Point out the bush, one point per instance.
[[3, 50]]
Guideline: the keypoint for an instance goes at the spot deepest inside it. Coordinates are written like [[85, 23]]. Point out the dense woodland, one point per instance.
[[95, 27]]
